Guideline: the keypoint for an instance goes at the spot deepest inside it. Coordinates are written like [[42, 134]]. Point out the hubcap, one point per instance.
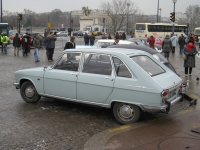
[[126, 112], [29, 91]]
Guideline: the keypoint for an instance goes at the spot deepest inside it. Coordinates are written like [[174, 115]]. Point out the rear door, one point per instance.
[[95, 82]]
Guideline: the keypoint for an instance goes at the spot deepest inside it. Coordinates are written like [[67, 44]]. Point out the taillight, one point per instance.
[[165, 94]]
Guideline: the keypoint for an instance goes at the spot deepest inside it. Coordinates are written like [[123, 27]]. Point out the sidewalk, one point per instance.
[[170, 134]]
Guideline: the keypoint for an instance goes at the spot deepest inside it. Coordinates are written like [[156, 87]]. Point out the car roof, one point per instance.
[[135, 47], [112, 51]]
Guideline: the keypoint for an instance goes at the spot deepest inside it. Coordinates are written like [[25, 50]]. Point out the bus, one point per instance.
[[159, 29], [197, 34], [4, 29]]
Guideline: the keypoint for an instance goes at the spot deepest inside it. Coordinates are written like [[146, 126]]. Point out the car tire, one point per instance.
[[126, 113], [29, 93]]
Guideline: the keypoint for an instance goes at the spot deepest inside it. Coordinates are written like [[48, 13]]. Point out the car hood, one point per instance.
[[37, 71], [167, 80]]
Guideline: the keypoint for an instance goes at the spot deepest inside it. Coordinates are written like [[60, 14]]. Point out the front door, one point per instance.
[[95, 82], [61, 80]]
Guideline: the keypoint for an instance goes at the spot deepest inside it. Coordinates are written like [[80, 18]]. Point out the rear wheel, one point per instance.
[[29, 93], [126, 113]]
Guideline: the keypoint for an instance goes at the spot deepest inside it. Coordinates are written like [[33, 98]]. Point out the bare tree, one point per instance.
[[117, 11], [193, 15]]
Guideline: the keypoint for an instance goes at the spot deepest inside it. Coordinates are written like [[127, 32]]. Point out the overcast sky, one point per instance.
[[146, 6]]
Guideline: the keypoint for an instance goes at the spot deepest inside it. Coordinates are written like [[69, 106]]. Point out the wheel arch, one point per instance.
[[116, 101], [24, 80]]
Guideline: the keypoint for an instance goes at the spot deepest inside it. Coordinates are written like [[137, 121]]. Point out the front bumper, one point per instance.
[[163, 108], [16, 85]]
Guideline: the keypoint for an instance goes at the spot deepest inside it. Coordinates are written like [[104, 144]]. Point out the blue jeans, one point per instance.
[[5, 49], [36, 53], [181, 51]]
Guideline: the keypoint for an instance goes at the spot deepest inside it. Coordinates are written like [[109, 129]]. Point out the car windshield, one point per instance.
[[105, 43], [148, 65]]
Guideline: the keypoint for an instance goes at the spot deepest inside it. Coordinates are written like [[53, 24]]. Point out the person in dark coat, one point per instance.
[[109, 36], [181, 42], [92, 39], [190, 52], [167, 46], [16, 44], [86, 39], [25, 43], [71, 44], [51, 39], [116, 40], [123, 36]]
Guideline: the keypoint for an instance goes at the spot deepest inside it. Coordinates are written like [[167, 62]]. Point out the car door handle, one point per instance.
[[74, 74], [109, 78]]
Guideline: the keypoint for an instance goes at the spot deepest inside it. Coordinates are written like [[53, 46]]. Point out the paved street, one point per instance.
[[57, 124]]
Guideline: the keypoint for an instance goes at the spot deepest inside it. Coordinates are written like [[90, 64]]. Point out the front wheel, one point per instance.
[[126, 113], [29, 93]]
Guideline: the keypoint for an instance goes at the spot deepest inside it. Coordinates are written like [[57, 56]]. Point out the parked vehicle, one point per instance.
[[62, 33], [143, 42], [103, 43], [126, 81]]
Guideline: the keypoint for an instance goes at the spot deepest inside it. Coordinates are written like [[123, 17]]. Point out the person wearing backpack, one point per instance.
[[5, 42], [16, 44]]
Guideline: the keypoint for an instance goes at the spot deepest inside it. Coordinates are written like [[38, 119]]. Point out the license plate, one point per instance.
[[172, 93]]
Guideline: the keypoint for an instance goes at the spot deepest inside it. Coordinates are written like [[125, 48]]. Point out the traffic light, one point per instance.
[[172, 17], [19, 16]]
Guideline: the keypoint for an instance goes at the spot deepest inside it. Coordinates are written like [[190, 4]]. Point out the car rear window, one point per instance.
[[148, 65], [160, 57]]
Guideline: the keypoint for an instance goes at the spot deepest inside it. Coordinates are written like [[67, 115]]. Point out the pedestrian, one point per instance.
[[16, 44], [30, 43], [36, 44], [151, 41], [47, 46], [189, 61], [116, 41], [70, 44], [109, 36], [92, 39], [167, 46], [5, 42], [86, 39], [120, 36], [104, 36], [51, 39], [174, 41], [181, 42], [1, 43], [123, 36], [25, 43]]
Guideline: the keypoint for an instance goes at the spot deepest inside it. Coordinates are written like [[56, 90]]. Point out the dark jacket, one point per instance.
[[190, 52], [25, 41], [16, 41], [181, 42], [92, 38], [70, 45], [86, 38], [51, 40], [36, 42], [123, 36], [167, 44], [109, 36]]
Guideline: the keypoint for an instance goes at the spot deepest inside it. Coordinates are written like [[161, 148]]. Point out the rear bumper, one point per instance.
[[163, 108]]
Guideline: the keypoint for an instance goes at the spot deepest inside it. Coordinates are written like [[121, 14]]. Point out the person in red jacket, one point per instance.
[[151, 41]]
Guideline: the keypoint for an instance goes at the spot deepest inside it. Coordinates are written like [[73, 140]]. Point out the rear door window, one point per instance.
[[148, 65]]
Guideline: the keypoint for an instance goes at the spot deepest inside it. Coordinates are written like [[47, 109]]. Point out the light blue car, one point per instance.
[[126, 81]]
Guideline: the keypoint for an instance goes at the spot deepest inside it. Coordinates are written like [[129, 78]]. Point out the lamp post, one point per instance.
[[158, 11], [174, 1], [127, 17], [160, 15]]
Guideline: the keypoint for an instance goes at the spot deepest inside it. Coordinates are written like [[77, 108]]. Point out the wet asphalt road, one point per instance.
[[50, 123]]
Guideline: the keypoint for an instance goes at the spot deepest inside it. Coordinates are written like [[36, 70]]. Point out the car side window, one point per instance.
[[69, 61], [97, 64], [121, 69]]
